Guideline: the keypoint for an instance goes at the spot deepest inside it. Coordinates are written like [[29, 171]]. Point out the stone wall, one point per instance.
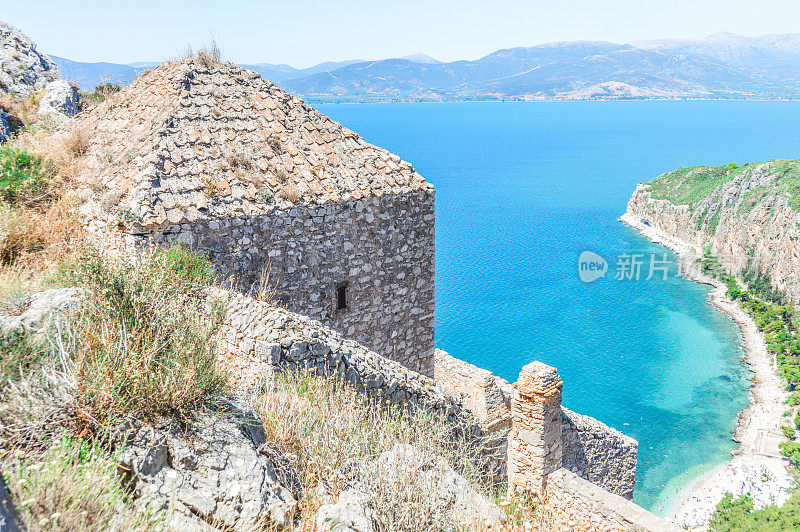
[[591, 449], [284, 340], [574, 504], [595, 452], [487, 396], [382, 249]]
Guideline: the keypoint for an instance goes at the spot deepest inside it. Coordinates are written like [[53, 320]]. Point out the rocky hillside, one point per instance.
[[748, 216], [23, 69]]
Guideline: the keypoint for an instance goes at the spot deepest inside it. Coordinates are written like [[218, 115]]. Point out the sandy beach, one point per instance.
[[756, 467]]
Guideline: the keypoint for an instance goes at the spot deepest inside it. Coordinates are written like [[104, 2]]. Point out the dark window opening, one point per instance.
[[341, 297]]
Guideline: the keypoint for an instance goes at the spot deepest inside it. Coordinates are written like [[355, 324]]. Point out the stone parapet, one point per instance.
[[591, 449], [595, 452], [487, 396], [574, 504]]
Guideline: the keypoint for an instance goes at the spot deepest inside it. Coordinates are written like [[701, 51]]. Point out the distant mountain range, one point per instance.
[[723, 65]]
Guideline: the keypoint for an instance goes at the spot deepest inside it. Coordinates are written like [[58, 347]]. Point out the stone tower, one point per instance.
[[213, 156]]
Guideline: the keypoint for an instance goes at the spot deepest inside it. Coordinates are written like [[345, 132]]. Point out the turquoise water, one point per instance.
[[521, 190]]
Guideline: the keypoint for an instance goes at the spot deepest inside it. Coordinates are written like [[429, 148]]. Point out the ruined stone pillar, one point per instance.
[[534, 443]]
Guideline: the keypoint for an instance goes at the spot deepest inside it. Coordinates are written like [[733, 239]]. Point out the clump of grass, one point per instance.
[[189, 266], [210, 54], [275, 143], [239, 160], [144, 344], [20, 353], [290, 193], [77, 142], [23, 175], [73, 486], [334, 432]]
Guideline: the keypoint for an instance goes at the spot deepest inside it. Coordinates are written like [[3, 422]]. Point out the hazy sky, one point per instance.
[[302, 32]]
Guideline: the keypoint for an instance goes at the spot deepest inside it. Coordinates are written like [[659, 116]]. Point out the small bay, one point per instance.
[[522, 189]]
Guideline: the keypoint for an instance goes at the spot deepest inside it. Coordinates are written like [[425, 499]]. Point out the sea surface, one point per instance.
[[522, 189]]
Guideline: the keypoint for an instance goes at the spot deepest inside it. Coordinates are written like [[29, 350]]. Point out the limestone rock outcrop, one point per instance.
[[23, 69], [61, 99], [39, 310], [5, 128], [217, 473]]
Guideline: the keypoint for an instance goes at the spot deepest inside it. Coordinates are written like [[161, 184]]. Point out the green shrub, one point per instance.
[[732, 166], [793, 399], [144, 344], [789, 431], [734, 291], [740, 514], [23, 176]]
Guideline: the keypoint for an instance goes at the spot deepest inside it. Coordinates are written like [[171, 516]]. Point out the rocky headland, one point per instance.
[[731, 225]]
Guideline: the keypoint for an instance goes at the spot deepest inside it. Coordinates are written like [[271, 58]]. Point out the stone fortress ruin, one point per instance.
[[211, 155], [222, 160]]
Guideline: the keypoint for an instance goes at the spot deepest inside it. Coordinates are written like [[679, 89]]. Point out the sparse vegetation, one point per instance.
[[337, 435], [275, 143], [290, 193], [74, 485], [23, 175], [264, 195], [240, 160], [143, 345], [77, 142]]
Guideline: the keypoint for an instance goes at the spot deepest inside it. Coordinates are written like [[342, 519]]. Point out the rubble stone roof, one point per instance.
[[191, 139]]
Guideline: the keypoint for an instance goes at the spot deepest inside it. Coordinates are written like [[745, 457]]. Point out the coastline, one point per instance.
[[755, 467]]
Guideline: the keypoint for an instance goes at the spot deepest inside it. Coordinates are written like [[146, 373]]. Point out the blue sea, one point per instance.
[[522, 189]]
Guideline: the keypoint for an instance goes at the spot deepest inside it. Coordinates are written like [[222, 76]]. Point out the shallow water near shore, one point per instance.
[[521, 190]]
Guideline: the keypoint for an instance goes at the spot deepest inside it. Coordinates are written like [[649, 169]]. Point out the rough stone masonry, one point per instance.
[[213, 156]]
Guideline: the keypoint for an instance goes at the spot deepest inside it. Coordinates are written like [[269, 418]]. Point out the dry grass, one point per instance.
[[17, 234], [77, 142], [23, 110], [144, 344], [281, 175], [337, 434], [36, 239], [290, 193], [73, 486], [240, 160]]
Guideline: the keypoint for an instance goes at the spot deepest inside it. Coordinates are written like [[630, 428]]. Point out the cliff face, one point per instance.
[[748, 215]]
